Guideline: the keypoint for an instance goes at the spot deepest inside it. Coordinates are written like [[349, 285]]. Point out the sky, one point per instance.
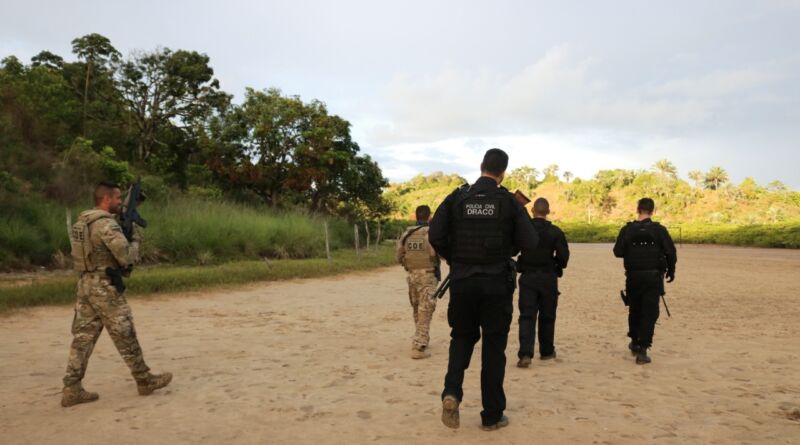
[[430, 85]]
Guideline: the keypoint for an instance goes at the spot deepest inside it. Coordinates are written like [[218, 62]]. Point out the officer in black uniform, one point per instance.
[[648, 252], [538, 286], [478, 230]]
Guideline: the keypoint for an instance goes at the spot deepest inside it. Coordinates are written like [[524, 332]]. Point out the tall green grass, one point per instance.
[[184, 231], [786, 235], [164, 279]]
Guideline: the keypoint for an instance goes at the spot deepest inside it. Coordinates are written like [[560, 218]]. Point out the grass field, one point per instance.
[[154, 280]]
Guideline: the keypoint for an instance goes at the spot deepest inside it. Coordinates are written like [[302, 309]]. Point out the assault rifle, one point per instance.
[[443, 286], [130, 215], [627, 302]]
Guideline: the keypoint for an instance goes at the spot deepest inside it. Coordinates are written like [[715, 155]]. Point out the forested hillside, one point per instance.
[[709, 209]]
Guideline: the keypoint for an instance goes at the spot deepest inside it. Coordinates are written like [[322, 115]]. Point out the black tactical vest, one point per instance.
[[540, 258], [482, 229], [644, 247]]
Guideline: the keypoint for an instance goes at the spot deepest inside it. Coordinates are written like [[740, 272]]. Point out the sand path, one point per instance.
[[326, 361]]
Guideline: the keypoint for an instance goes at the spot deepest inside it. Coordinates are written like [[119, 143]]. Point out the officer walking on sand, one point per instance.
[[648, 252], [478, 229], [419, 259], [540, 270], [101, 255]]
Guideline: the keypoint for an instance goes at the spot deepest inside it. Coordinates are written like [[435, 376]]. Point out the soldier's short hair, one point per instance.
[[541, 207], [646, 205], [495, 162], [423, 213], [103, 189]]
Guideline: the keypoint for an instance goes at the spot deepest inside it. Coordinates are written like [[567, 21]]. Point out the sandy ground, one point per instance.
[[327, 361]]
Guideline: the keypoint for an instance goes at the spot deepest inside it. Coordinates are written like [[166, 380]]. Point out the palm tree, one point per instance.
[[715, 177], [696, 176], [568, 176], [666, 168]]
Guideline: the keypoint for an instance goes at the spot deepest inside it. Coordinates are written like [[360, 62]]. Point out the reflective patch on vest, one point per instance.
[[481, 209]]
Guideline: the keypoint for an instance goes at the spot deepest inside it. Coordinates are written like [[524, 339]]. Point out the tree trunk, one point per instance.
[[366, 229], [89, 63]]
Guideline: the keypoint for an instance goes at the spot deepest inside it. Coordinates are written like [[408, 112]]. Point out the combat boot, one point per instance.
[[633, 347], [75, 394], [641, 357], [548, 356], [524, 362], [450, 416], [153, 382], [417, 354], [496, 426]]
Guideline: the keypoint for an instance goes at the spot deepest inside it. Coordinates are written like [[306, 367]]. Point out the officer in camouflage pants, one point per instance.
[[417, 256], [98, 243]]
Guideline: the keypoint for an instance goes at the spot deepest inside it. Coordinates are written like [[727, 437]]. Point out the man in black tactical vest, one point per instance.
[[648, 253], [538, 286], [478, 229]]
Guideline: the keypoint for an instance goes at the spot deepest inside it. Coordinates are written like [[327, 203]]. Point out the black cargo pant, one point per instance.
[[480, 304], [644, 289], [538, 297]]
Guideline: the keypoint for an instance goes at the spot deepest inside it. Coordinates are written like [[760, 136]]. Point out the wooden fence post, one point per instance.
[[366, 229], [327, 241], [355, 236], [378, 240]]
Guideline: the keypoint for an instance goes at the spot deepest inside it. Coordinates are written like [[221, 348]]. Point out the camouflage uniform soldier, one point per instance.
[[419, 259], [98, 244]]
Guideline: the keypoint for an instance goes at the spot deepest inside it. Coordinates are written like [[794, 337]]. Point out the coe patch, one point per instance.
[[415, 244], [481, 209]]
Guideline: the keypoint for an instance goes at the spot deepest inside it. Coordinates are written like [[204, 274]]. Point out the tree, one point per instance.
[[715, 177], [666, 168], [777, 186], [568, 176], [524, 177], [48, 59], [166, 89], [551, 173], [697, 177], [97, 52]]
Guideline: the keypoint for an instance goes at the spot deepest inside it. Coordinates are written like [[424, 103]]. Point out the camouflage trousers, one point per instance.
[[99, 305], [421, 286]]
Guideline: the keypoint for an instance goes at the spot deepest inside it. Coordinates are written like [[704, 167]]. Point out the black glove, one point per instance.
[[670, 276]]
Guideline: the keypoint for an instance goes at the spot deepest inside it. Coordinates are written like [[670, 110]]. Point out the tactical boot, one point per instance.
[[496, 426], [417, 354], [634, 348], [548, 356], [152, 383], [450, 416], [641, 357], [75, 394], [524, 362]]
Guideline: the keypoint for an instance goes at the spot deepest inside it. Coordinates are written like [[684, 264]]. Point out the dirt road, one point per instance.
[[327, 361]]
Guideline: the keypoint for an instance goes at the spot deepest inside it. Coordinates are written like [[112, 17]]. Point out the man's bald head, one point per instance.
[[541, 207]]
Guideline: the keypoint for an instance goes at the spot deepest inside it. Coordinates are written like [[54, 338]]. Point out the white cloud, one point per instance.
[[560, 91]]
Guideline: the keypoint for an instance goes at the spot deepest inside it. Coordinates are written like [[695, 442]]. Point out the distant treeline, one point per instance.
[[610, 196], [64, 124]]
